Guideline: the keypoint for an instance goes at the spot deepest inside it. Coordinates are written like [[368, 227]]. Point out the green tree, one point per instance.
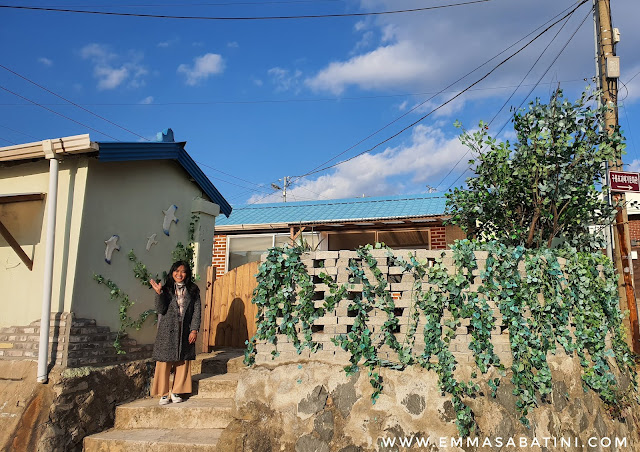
[[546, 185]]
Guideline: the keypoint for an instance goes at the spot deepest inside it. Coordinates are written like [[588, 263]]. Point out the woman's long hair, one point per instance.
[[171, 284]]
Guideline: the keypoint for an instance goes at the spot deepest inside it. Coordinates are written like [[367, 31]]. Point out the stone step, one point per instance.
[[236, 365], [153, 440], [218, 362], [193, 413], [216, 386]]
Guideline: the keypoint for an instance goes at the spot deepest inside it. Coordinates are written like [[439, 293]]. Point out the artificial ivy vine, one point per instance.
[[115, 293], [141, 273], [537, 307]]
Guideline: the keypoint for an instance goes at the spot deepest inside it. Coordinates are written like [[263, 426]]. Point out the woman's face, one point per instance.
[[179, 274]]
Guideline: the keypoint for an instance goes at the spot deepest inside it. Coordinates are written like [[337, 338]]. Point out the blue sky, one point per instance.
[[258, 100]]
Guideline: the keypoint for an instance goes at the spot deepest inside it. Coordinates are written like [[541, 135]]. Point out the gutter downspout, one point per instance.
[[52, 201]]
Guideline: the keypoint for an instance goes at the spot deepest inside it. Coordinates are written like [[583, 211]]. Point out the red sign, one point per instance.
[[624, 181]]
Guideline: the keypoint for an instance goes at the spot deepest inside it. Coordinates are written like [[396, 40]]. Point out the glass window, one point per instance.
[[311, 240], [400, 239], [245, 249], [350, 240]]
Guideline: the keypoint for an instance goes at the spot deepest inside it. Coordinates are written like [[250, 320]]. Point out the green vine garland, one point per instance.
[[141, 273], [537, 309]]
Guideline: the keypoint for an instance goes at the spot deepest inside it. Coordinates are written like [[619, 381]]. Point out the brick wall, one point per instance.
[[73, 342], [219, 254], [634, 227], [438, 238]]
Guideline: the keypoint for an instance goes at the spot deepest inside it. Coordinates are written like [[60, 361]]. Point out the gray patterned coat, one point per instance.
[[172, 341]]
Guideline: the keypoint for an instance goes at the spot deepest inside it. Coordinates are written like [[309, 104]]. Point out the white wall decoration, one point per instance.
[[169, 216], [112, 244], [151, 240]]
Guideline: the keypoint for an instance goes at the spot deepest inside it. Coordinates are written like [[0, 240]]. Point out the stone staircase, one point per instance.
[[193, 425]]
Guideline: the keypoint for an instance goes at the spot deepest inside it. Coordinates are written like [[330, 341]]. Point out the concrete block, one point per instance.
[[325, 255], [341, 329]]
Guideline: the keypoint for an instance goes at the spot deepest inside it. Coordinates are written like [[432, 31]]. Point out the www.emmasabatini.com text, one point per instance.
[[521, 442]]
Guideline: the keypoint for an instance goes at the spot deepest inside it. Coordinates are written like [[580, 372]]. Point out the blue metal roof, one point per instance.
[[136, 151], [338, 210]]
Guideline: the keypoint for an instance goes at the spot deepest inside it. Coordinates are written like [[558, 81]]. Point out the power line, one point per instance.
[[196, 4], [59, 114], [274, 101], [17, 131], [72, 103], [531, 90], [452, 98], [317, 168], [235, 177], [8, 141], [508, 99], [308, 16]]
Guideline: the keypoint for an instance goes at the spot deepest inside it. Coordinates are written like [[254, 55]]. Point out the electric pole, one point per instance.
[[286, 181], [608, 73]]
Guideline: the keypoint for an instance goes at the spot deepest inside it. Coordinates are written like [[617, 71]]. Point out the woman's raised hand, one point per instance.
[[156, 286]]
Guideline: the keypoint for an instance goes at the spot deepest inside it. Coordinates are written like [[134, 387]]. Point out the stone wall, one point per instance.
[[311, 406], [55, 417]]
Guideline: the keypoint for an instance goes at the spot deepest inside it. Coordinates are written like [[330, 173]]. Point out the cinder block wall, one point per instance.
[[335, 263]]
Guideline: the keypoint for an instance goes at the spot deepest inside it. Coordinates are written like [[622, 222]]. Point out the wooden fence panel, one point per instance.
[[208, 308], [232, 313]]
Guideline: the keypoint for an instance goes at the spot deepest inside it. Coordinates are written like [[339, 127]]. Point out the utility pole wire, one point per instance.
[[59, 114], [454, 97], [443, 90], [309, 16], [514, 92], [72, 103]]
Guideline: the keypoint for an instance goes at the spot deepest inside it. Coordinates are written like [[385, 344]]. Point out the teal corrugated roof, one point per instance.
[[337, 210]]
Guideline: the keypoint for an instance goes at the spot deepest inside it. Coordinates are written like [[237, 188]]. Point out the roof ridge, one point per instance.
[[330, 202]]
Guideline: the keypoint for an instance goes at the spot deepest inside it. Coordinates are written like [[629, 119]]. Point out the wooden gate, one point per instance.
[[229, 316]]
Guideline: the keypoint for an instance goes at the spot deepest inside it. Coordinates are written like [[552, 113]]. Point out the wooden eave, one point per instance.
[[77, 144], [378, 224]]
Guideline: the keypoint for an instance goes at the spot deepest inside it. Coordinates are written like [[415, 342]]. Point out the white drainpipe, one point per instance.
[[52, 201]]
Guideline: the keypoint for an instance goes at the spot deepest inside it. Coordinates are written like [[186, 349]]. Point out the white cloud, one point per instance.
[[427, 52], [403, 106], [233, 45], [634, 166], [112, 70], [285, 80], [257, 82], [425, 159], [109, 78], [168, 42], [147, 100], [385, 66], [203, 67], [45, 61]]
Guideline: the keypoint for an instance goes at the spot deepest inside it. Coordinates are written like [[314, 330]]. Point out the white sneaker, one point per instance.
[[175, 398], [164, 400]]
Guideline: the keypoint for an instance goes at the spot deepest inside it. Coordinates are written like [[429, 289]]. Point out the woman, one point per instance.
[[178, 301]]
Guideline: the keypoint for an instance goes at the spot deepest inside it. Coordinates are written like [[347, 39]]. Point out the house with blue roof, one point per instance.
[[72, 208], [402, 221]]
